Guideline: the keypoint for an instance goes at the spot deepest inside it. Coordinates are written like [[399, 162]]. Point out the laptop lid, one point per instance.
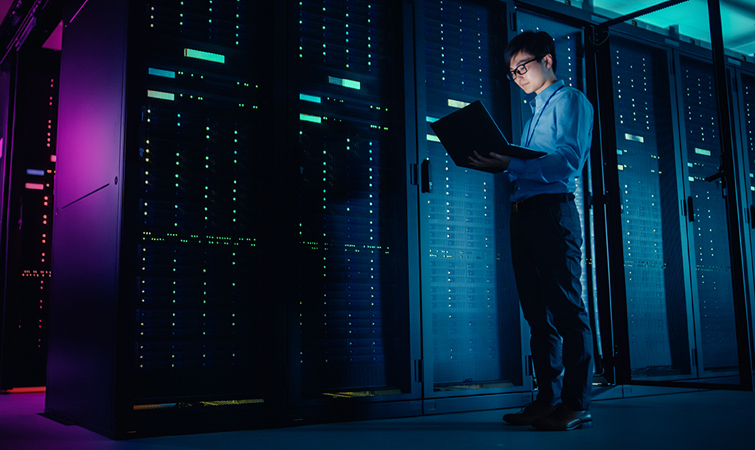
[[472, 129]]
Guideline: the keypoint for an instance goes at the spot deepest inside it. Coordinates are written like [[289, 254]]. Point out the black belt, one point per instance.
[[540, 200]]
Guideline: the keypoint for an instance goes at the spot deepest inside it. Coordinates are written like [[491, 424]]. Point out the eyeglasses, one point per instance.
[[521, 69]]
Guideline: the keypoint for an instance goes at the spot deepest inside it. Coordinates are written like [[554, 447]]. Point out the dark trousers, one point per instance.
[[545, 248]]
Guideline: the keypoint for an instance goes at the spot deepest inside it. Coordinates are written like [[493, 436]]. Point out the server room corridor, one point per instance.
[[690, 420], [254, 222]]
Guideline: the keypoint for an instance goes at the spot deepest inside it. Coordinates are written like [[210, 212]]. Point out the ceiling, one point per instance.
[[738, 18]]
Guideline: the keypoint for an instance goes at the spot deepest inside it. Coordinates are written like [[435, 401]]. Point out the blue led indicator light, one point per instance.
[[310, 98], [162, 73]]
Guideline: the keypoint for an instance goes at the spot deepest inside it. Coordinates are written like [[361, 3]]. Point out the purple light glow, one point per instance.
[[55, 41]]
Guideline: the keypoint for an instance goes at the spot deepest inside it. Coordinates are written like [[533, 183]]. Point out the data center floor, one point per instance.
[[690, 420]]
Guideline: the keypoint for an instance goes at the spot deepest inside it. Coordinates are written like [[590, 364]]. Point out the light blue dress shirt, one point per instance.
[[561, 126]]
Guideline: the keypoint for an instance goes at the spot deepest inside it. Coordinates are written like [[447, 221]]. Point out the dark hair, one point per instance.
[[537, 44]]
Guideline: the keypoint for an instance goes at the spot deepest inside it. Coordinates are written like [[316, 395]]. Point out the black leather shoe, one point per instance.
[[529, 412], [564, 418]]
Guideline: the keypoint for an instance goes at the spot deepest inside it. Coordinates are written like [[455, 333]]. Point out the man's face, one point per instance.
[[537, 73]]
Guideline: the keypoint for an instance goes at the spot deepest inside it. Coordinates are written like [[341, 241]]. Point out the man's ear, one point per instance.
[[548, 61]]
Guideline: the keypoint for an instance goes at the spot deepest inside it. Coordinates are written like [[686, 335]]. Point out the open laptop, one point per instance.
[[471, 128]]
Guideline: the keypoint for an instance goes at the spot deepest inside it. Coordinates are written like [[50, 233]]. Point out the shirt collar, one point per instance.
[[546, 94]]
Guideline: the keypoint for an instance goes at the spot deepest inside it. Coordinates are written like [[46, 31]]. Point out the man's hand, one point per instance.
[[493, 161]]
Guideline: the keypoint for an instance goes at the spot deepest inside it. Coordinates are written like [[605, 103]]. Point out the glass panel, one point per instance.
[[748, 94], [472, 308], [710, 244], [748, 121], [353, 300], [653, 268]]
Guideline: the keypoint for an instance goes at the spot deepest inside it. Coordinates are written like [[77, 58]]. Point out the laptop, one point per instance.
[[471, 128]]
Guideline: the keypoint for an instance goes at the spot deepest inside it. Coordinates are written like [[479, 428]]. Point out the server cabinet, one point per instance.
[[659, 317], [679, 300], [708, 230], [350, 321], [161, 309], [472, 326], [28, 156], [744, 80]]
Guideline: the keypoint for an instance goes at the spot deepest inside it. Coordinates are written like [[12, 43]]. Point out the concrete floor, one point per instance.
[[689, 420]]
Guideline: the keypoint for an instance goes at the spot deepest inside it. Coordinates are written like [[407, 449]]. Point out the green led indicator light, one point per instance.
[[310, 118], [351, 84], [161, 95], [206, 56]]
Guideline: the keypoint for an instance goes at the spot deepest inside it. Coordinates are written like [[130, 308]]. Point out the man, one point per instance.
[[546, 235]]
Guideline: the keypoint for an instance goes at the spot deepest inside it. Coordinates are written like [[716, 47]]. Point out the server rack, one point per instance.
[[472, 326], [690, 311], [28, 156], [743, 83], [706, 209], [351, 318], [658, 315], [164, 319]]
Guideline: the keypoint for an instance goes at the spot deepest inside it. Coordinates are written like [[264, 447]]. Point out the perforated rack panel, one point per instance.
[[469, 287], [711, 257], [350, 277], [651, 221], [202, 171]]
